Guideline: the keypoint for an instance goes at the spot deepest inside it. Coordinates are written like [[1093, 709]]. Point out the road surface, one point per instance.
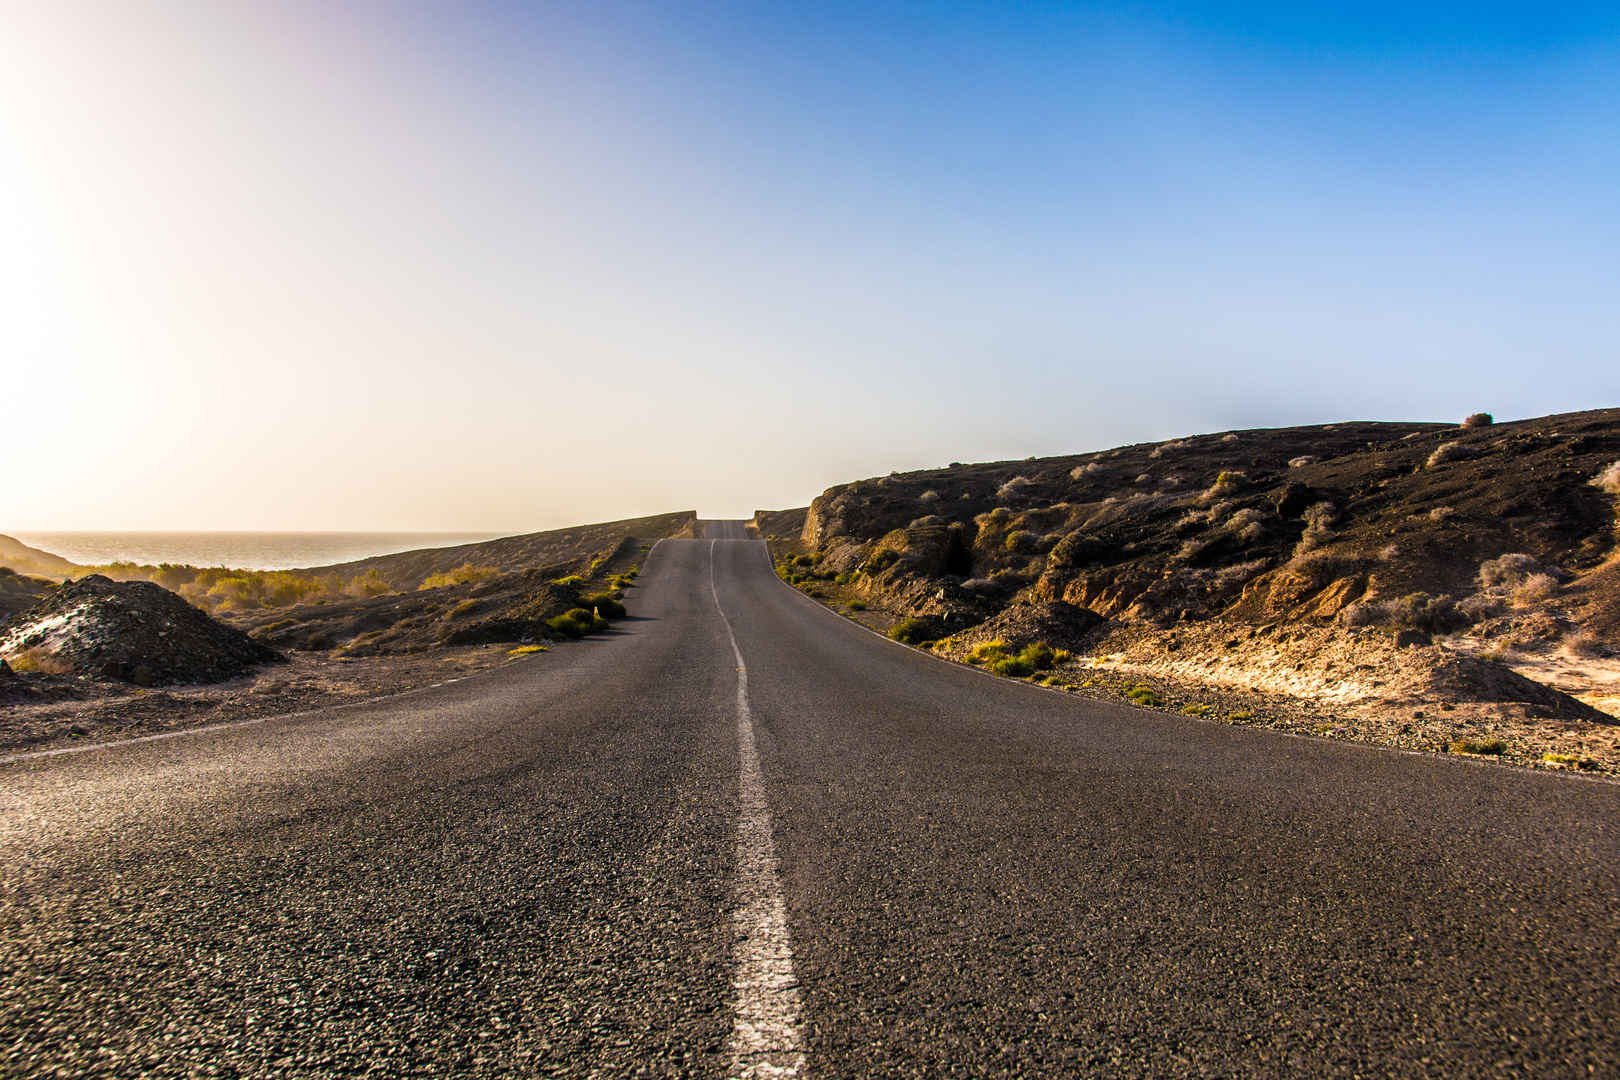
[[741, 836]]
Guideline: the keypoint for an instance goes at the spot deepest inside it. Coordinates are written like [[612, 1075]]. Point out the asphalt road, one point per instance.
[[630, 856]]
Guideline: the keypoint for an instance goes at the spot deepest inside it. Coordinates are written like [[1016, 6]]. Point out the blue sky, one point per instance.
[[485, 266]]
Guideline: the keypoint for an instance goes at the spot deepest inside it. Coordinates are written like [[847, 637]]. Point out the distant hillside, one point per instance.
[[408, 569], [26, 560]]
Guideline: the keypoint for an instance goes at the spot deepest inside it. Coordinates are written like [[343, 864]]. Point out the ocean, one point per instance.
[[239, 550]]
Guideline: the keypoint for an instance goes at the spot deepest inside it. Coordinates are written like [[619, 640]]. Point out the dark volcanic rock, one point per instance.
[[135, 631]]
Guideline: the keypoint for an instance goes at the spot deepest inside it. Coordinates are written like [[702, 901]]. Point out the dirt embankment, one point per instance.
[[1384, 581], [102, 659], [408, 570]]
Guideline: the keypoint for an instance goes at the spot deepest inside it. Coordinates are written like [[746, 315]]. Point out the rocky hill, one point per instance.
[[132, 631], [1485, 540], [18, 556]]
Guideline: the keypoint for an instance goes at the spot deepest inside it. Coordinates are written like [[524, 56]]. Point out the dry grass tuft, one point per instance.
[[1478, 420], [1451, 451], [461, 575]]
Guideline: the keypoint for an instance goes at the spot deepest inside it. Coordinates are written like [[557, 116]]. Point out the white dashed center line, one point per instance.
[[766, 1036]]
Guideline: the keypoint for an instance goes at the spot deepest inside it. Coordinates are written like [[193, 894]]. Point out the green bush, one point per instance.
[[563, 626], [606, 605], [1143, 695], [912, 631], [466, 607], [857, 605], [804, 560], [989, 652], [576, 623], [1039, 656], [880, 561], [996, 657], [1493, 747]]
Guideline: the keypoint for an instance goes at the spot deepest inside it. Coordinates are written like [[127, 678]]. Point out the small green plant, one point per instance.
[[912, 631], [1143, 695], [880, 561], [804, 560], [990, 650], [525, 650], [571, 579], [1062, 656], [1014, 667], [1493, 747], [1196, 710], [856, 605], [466, 607], [1241, 714], [1039, 656], [40, 660]]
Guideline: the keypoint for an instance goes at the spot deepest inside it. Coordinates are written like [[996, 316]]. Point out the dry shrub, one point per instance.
[[1170, 447], [1317, 568], [1227, 483], [1451, 451], [1389, 552], [1586, 645], [1145, 478], [1229, 437], [1481, 606], [1535, 588], [1301, 461], [1608, 480], [1420, 611], [1190, 550], [1243, 519], [928, 496], [1014, 488], [1080, 472], [41, 660], [1232, 577], [1319, 522], [931, 519], [1478, 420], [1509, 570], [1441, 513], [1366, 613]]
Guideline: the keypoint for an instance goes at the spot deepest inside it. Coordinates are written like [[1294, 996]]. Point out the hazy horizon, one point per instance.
[[496, 267]]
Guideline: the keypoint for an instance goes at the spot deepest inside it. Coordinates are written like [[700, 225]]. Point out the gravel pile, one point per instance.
[[134, 631]]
